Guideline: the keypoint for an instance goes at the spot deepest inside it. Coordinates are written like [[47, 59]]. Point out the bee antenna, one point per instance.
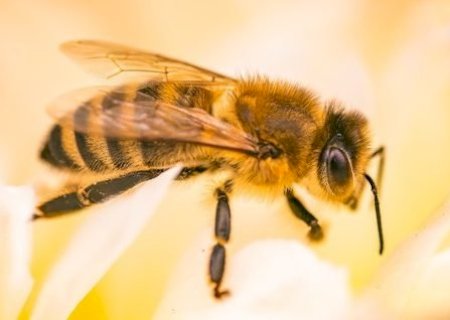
[[377, 210]]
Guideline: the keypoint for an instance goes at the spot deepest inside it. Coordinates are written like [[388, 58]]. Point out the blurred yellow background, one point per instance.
[[390, 59]]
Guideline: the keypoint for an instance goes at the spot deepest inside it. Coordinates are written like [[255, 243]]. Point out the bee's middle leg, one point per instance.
[[222, 230], [315, 233]]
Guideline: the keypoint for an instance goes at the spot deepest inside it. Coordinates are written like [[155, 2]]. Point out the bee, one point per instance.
[[265, 135]]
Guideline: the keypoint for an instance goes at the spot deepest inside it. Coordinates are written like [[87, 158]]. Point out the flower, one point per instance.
[[280, 279], [96, 245], [414, 282]]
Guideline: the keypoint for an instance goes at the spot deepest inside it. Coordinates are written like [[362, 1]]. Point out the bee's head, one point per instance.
[[340, 153]]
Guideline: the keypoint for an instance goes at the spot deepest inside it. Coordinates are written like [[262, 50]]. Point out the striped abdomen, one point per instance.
[[69, 149]]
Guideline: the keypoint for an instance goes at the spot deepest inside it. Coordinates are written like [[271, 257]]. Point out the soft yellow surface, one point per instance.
[[390, 60]]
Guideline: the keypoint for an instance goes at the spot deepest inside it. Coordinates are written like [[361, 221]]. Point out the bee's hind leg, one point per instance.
[[222, 230], [315, 233], [92, 194]]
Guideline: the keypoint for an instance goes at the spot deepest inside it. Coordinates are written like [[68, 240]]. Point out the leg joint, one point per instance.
[[83, 197]]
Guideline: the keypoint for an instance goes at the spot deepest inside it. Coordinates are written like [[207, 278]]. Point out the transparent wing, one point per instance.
[[110, 60], [110, 113]]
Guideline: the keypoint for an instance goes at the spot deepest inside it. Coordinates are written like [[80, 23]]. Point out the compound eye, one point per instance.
[[339, 171]]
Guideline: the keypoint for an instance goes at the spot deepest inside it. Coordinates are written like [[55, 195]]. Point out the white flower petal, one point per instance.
[[16, 208], [397, 285], [269, 279], [430, 298], [97, 244]]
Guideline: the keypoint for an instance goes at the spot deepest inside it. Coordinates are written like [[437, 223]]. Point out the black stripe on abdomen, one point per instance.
[[118, 157], [90, 158], [54, 153], [115, 151]]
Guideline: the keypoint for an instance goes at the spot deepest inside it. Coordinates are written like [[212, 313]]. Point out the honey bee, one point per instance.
[[265, 135]]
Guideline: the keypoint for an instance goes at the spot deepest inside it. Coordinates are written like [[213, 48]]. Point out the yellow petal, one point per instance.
[[103, 236], [405, 278], [430, 297]]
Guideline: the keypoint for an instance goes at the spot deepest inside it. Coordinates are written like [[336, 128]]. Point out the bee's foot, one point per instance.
[[315, 233], [36, 215], [219, 294], [352, 203]]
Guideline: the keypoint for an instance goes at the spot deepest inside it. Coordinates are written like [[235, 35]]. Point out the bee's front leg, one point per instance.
[[353, 201], [315, 233], [222, 230]]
